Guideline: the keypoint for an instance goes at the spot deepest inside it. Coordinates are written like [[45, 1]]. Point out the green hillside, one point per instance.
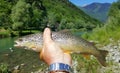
[[37, 14], [97, 10], [68, 15], [111, 29]]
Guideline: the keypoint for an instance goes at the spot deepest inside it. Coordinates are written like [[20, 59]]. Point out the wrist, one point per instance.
[[59, 68]]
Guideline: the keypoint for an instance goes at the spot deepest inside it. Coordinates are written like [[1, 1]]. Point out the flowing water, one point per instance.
[[24, 60], [6, 43]]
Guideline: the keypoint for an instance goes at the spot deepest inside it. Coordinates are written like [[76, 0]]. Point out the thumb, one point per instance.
[[47, 36], [46, 40]]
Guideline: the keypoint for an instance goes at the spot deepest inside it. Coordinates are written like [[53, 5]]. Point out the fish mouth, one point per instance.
[[17, 44]]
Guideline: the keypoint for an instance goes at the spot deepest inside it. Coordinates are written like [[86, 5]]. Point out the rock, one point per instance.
[[113, 57], [16, 67], [114, 52], [33, 66], [11, 49], [16, 71], [22, 64], [6, 55]]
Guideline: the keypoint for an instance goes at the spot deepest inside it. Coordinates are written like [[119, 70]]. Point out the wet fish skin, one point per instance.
[[67, 42]]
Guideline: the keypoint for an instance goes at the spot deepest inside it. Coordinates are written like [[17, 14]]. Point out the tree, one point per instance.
[[5, 9], [20, 15], [62, 24], [37, 14], [114, 15], [54, 20]]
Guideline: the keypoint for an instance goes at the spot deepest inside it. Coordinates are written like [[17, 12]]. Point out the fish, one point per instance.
[[67, 41]]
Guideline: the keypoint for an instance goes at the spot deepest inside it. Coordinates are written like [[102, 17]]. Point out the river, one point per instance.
[[6, 43], [18, 58]]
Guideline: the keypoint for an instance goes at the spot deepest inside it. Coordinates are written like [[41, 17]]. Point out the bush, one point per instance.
[[4, 68], [4, 33]]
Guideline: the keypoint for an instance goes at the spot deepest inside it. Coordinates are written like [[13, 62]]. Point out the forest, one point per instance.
[[21, 15]]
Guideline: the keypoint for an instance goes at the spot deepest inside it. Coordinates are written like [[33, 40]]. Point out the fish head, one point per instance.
[[28, 44], [21, 42]]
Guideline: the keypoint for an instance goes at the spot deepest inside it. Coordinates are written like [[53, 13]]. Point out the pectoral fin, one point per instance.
[[87, 56], [41, 54], [67, 51]]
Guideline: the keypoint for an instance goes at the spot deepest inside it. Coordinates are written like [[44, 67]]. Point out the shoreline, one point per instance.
[[30, 62]]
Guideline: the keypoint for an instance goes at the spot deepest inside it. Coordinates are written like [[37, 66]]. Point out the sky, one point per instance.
[[85, 2]]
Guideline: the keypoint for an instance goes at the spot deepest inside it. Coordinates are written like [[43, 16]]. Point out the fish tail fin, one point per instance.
[[102, 57], [103, 52]]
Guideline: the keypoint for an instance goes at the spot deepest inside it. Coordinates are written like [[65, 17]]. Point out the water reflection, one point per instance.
[[6, 43]]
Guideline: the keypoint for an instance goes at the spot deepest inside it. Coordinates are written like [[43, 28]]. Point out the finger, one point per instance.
[[47, 36]]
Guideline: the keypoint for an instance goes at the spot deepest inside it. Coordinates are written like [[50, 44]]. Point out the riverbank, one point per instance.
[[25, 61], [81, 65], [4, 33]]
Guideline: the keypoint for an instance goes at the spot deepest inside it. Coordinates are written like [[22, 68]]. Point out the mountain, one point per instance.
[[67, 15], [70, 15], [97, 10], [37, 14]]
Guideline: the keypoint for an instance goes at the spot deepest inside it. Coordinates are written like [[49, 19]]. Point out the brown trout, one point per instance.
[[67, 41]]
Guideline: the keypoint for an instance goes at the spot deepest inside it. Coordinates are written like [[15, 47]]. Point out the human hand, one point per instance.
[[51, 52]]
